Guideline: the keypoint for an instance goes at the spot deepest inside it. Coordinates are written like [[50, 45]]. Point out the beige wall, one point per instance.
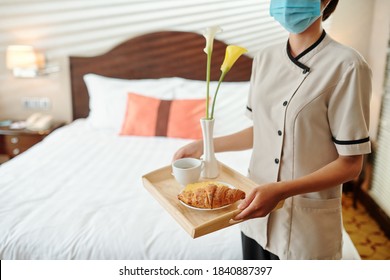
[[56, 87], [365, 26], [63, 28], [379, 45], [86, 27]]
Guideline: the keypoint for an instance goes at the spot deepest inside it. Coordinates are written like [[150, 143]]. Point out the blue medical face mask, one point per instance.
[[295, 15]]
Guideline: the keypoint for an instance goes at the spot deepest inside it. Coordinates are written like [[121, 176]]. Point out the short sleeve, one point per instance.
[[349, 111]]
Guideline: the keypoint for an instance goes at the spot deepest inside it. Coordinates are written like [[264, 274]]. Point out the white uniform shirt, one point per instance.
[[306, 112]]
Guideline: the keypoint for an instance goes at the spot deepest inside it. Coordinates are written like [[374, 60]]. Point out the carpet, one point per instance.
[[368, 238]]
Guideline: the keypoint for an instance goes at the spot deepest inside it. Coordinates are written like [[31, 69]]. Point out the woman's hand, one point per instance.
[[263, 199], [194, 150], [238, 141], [260, 201]]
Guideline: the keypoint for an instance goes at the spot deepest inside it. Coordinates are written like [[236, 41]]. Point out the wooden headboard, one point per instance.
[[151, 56]]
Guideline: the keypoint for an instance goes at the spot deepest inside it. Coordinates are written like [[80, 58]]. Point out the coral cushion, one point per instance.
[[148, 116]]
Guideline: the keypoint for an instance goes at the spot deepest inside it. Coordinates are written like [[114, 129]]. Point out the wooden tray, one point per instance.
[[164, 188]]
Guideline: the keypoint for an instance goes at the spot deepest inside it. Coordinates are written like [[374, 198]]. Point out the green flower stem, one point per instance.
[[208, 83], [223, 74]]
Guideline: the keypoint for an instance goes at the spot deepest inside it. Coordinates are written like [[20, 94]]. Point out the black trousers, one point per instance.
[[251, 250]]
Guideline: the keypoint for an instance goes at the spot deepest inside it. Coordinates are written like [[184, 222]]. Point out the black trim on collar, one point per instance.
[[350, 142], [305, 68], [296, 62], [299, 56]]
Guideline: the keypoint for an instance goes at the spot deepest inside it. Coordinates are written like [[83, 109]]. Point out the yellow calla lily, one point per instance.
[[231, 56]]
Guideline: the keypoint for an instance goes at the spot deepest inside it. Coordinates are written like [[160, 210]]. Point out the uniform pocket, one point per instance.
[[316, 228], [317, 204]]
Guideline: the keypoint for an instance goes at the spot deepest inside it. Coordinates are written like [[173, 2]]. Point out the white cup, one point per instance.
[[187, 170]]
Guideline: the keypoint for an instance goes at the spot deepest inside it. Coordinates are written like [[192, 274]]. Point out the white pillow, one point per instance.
[[108, 98], [230, 106]]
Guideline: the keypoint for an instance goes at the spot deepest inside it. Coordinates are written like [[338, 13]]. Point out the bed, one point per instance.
[[78, 194]]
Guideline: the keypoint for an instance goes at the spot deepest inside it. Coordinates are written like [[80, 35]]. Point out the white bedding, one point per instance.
[[78, 195]]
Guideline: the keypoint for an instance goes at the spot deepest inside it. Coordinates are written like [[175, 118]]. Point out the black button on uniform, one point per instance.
[[285, 103], [276, 160], [279, 132]]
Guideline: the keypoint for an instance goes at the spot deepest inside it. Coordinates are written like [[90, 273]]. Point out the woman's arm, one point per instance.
[[242, 140], [263, 199], [238, 141]]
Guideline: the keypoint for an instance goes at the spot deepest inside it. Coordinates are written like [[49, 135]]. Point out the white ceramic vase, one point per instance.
[[211, 166]]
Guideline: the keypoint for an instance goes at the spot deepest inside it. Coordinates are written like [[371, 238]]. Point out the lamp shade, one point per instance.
[[20, 56]]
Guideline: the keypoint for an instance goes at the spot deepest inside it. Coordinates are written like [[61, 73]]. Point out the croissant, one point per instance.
[[210, 195]]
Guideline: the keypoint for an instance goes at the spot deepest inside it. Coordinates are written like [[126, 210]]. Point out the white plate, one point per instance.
[[208, 209]]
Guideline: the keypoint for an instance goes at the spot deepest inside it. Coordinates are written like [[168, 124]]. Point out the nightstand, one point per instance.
[[15, 141]]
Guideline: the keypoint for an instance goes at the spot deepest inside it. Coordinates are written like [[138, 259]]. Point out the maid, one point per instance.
[[309, 101]]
